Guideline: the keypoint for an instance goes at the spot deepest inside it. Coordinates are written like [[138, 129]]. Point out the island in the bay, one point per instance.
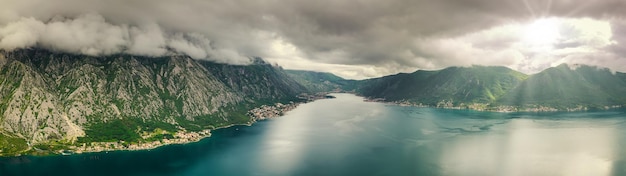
[[62, 103]]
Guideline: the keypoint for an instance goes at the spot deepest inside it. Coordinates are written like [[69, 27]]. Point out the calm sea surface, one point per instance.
[[346, 136]]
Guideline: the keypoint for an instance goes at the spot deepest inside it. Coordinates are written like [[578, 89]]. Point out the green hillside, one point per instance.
[[560, 87], [621, 76], [564, 87], [476, 84], [321, 81]]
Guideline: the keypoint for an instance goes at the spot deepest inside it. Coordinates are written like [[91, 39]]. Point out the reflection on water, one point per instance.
[[346, 136], [530, 147]]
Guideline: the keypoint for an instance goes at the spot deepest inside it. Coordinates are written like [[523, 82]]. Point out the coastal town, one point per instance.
[[181, 137], [279, 109], [487, 107]]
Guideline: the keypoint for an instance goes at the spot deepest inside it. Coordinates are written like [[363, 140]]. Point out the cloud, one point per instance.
[[88, 34], [580, 41], [148, 41], [390, 36], [20, 34], [91, 34]]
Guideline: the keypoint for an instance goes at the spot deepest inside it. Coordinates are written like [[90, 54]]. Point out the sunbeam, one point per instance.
[[542, 32]]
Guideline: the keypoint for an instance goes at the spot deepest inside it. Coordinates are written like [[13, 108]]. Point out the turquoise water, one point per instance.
[[346, 136]]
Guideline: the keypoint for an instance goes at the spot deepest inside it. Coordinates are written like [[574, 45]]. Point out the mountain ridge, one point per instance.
[[321, 81], [498, 88], [566, 86], [477, 84], [62, 98]]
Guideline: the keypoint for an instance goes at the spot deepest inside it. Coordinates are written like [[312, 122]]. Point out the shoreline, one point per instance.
[[260, 113], [263, 112], [195, 137], [484, 107]]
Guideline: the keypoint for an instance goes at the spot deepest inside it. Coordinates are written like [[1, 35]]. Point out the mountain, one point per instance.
[[565, 87], [55, 98], [321, 81], [456, 85], [259, 80], [570, 86], [58, 97]]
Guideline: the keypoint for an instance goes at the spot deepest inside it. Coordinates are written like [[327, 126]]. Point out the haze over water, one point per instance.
[[347, 136]]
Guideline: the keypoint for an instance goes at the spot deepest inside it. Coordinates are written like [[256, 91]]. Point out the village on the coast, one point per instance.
[[181, 137]]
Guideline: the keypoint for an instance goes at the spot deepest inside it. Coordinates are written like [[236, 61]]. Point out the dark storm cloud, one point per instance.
[[356, 32], [371, 32]]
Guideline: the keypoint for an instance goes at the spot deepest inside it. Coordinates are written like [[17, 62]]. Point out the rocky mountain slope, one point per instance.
[[259, 80], [47, 96]]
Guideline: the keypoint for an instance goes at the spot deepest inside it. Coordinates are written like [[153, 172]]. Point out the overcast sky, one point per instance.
[[351, 38]]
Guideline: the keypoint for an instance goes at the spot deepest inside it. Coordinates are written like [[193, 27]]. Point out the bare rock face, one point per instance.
[[29, 108], [3, 60], [56, 96]]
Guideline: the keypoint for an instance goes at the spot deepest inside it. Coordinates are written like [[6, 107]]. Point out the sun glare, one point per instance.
[[542, 32]]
